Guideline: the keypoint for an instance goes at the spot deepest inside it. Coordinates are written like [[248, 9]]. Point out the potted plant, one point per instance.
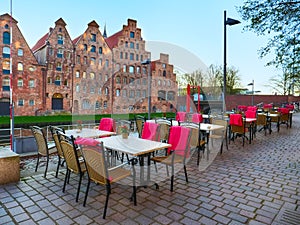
[[124, 131]]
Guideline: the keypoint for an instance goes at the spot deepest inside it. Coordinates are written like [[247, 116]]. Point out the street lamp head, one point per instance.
[[231, 22], [250, 84]]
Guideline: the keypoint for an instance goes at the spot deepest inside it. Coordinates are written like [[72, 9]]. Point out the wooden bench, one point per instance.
[[9, 166]]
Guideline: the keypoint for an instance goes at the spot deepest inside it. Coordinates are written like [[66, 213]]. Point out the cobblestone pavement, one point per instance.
[[254, 184]]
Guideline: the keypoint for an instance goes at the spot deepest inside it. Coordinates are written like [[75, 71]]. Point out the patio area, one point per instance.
[[255, 184]]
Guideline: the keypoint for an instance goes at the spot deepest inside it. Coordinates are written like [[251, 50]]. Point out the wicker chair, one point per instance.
[[179, 138], [238, 127], [220, 133], [74, 164], [99, 172], [263, 123], [139, 122], [45, 149], [197, 138], [60, 154], [164, 125]]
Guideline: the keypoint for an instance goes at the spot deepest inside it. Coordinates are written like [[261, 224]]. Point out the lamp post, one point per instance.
[[148, 62], [230, 22], [252, 84]]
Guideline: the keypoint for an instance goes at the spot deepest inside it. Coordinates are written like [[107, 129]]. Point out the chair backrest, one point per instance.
[[221, 132], [107, 124], [242, 108], [252, 108], [250, 114], [197, 118], [139, 122], [53, 130], [150, 131], [181, 116], [179, 138], [69, 149], [164, 128], [95, 163], [40, 140], [195, 132], [261, 119], [236, 119]]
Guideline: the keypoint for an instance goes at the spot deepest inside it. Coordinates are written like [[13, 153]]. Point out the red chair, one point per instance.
[[251, 108], [197, 118], [267, 107], [181, 116], [284, 116], [179, 138], [107, 124], [242, 108], [150, 131], [238, 127], [250, 114]]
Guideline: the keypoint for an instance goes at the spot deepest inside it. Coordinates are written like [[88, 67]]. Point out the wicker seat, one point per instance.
[[75, 164], [45, 149], [220, 133], [238, 127], [98, 171]]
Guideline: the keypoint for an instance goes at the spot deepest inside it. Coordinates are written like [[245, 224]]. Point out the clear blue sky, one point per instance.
[[194, 25]]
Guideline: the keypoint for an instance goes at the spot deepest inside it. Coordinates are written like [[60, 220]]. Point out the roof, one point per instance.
[[40, 43], [75, 41], [112, 41]]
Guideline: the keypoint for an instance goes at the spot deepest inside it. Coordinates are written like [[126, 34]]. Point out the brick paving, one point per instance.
[[252, 185]]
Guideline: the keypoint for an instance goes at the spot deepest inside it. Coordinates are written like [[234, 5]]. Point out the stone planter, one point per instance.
[[25, 145]]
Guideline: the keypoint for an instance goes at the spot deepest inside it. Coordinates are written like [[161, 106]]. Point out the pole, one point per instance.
[[252, 92], [149, 90], [224, 66], [11, 103]]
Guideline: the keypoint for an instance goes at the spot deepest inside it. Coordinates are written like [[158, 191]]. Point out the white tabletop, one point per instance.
[[133, 145], [88, 133], [210, 127]]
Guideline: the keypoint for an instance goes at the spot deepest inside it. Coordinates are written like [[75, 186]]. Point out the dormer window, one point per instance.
[[60, 39]]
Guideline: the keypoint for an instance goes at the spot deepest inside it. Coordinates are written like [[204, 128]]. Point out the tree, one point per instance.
[[280, 19]]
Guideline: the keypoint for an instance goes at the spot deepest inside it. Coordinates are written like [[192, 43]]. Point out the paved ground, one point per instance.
[[254, 184]]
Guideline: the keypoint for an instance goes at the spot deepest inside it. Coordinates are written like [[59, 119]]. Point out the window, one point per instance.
[[93, 37], [164, 73], [57, 80], [124, 93], [92, 90], [131, 56], [6, 38], [105, 104], [85, 47], [144, 93], [137, 57], [21, 102], [100, 50], [126, 44], [131, 69], [31, 102], [141, 58], [106, 77], [58, 66], [118, 79], [49, 80], [20, 82], [131, 81], [106, 63], [138, 69], [161, 95], [93, 48], [124, 80], [131, 34], [92, 75], [138, 93], [60, 39], [93, 61], [137, 46], [31, 83], [60, 53], [6, 52], [20, 52], [144, 70], [6, 84], [126, 55], [144, 81], [117, 67], [121, 55], [131, 45], [106, 91], [97, 105], [77, 88], [77, 74], [131, 94], [78, 59], [20, 66], [86, 104], [171, 95], [124, 68], [118, 91], [84, 60], [84, 74]]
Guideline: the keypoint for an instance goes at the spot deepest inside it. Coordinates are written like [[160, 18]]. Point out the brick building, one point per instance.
[[91, 74], [25, 72]]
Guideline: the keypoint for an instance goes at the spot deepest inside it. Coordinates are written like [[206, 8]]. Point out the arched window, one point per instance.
[[6, 38], [85, 47], [118, 91], [131, 69], [118, 79], [6, 52], [93, 48], [20, 82], [106, 91], [100, 50], [77, 88], [124, 68], [20, 66]]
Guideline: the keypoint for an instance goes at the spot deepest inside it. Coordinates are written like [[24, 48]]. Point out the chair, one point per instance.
[[150, 131], [284, 116], [45, 149], [262, 120], [164, 125], [98, 171], [139, 122], [220, 133], [107, 124], [61, 158], [252, 114], [237, 127], [181, 116], [179, 138], [197, 139], [74, 165], [197, 118]]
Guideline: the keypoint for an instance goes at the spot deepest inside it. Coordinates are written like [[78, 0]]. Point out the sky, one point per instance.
[[190, 31]]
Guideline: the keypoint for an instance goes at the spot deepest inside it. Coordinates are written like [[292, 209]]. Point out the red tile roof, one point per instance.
[[40, 43], [112, 41], [76, 39]]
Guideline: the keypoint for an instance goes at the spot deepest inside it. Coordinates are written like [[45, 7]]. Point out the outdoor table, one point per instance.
[[88, 133], [136, 147]]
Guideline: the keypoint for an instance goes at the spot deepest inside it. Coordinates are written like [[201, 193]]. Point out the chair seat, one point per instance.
[[168, 159], [52, 150], [117, 174]]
